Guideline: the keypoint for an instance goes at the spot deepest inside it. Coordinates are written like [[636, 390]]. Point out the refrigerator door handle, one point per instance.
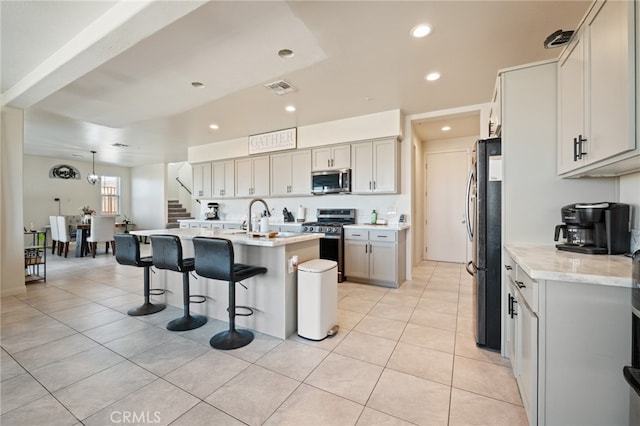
[[467, 217], [469, 271]]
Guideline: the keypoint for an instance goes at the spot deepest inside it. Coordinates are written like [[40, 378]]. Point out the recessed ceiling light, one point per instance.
[[77, 155], [197, 84], [421, 30], [433, 76], [286, 53], [290, 108], [446, 128], [214, 126]]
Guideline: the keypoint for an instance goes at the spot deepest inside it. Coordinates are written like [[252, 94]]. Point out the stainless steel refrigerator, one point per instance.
[[484, 221]]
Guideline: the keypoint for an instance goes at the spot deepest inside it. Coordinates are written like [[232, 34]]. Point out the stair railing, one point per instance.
[[186, 189]]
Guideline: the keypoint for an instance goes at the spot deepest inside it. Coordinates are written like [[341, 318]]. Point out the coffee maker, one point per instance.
[[214, 211], [594, 228]]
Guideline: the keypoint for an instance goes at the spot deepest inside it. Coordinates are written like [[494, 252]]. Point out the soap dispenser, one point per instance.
[[374, 217]]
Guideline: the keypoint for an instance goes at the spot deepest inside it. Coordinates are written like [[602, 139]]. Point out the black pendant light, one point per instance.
[[92, 177]]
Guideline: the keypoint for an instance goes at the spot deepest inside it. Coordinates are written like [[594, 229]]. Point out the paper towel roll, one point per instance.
[[301, 213], [264, 224]]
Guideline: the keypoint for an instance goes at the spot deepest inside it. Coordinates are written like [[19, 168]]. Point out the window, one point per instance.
[[110, 187]]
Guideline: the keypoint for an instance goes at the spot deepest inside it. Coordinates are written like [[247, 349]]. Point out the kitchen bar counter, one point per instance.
[[273, 295], [542, 262]]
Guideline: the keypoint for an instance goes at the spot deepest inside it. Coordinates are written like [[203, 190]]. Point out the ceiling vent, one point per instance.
[[280, 87]]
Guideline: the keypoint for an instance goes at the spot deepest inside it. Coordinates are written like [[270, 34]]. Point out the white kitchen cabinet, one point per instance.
[[375, 167], [252, 176], [223, 173], [570, 341], [374, 257], [201, 180], [597, 92], [331, 157], [291, 173]]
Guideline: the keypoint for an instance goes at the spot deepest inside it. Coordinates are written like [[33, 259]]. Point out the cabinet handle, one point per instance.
[[370, 248], [580, 143], [575, 149], [366, 248], [508, 267], [328, 162], [369, 184], [521, 284], [512, 310], [382, 236]]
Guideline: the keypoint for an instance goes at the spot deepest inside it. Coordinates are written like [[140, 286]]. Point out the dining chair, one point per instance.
[[63, 236], [53, 222], [102, 230]]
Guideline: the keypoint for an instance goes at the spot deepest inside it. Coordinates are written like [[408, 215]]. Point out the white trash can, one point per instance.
[[317, 299]]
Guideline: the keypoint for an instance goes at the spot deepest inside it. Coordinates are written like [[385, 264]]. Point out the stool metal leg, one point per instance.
[[231, 338], [188, 321], [147, 308]]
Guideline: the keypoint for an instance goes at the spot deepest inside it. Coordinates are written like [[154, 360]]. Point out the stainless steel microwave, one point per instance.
[[331, 181]]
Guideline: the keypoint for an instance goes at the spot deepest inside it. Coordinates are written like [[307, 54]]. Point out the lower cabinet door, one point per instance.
[[356, 258], [528, 361], [382, 262]]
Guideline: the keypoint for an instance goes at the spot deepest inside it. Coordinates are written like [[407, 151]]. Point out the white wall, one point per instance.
[[11, 226], [40, 190], [149, 204]]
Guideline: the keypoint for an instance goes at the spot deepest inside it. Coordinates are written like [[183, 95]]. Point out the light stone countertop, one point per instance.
[[392, 227], [543, 262], [236, 236]]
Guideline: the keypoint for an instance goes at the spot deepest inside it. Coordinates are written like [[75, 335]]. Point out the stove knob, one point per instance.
[[335, 230], [305, 229], [319, 229]]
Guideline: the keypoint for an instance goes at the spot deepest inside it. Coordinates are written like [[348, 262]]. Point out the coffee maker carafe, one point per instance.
[[214, 211], [594, 228]]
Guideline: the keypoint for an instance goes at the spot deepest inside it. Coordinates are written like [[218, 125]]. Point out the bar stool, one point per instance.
[[214, 258], [167, 254], [128, 253]]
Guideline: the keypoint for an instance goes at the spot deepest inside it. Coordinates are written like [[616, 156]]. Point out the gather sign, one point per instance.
[[273, 141]]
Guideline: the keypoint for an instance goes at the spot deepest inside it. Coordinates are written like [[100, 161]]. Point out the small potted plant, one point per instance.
[[86, 212]]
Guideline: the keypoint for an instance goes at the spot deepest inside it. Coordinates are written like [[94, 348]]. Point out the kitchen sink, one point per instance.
[[288, 234]]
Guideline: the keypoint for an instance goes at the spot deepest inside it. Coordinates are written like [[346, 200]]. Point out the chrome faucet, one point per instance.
[[249, 224]]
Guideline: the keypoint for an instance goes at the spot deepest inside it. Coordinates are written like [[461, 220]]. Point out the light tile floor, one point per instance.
[[71, 356]]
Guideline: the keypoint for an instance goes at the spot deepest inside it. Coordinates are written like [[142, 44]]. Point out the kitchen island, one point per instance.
[[272, 296], [568, 333]]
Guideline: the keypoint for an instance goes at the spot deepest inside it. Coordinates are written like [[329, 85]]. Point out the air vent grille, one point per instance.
[[280, 87]]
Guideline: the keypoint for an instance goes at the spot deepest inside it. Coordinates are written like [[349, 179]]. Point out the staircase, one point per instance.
[[176, 211]]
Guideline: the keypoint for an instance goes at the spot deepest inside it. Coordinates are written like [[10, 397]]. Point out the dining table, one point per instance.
[[82, 232]]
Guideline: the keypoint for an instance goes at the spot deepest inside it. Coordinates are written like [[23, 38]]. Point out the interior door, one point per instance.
[[446, 234]]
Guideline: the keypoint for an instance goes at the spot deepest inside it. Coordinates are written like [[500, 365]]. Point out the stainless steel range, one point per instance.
[[330, 222]]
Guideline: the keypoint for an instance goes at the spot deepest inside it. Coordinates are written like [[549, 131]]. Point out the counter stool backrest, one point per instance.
[[167, 253], [214, 258], [128, 250]]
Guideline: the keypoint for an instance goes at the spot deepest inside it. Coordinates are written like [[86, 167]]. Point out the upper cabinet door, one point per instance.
[[362, 173], [341, 157], [201, 180], [301, 173], [281, 174], [611, 78], [385, 168], [331, 157], [223, 179], [571, 69], [261, 176], [244, 178]]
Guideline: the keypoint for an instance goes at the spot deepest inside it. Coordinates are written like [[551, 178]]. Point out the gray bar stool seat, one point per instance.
[[128, 253], [214, 258], [167, 254]]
